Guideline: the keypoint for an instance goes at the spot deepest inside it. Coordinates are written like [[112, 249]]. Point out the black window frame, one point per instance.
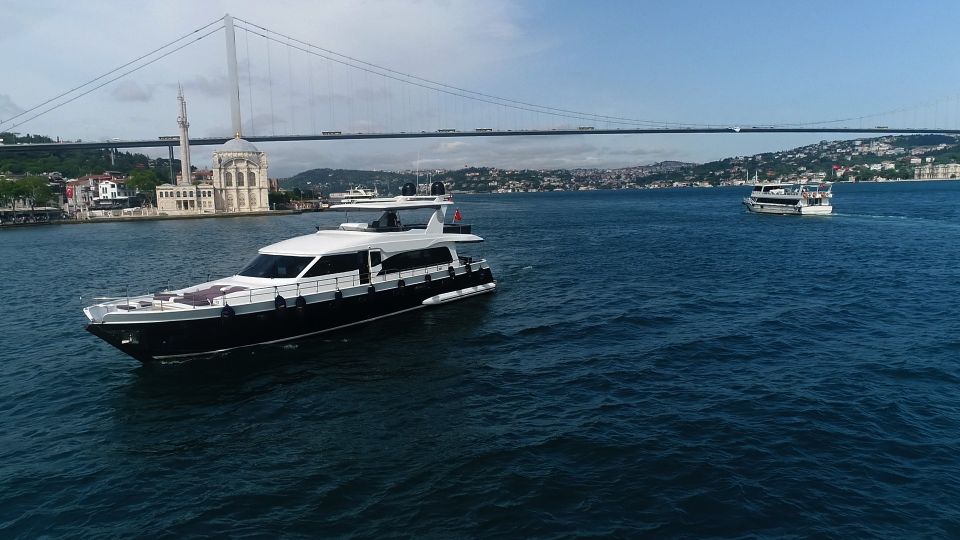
[[419, 258], [336, 263], [268, 266]]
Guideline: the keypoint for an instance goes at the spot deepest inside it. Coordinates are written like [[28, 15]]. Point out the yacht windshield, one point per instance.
[[275, 266]]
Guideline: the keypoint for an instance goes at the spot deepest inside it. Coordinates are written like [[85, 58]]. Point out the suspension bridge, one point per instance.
[[330, 95]]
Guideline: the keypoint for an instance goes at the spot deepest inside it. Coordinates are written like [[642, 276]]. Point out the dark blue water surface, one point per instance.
[[655, 363]]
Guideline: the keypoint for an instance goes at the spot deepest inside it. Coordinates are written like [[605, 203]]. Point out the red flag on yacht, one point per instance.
[[457, 216]]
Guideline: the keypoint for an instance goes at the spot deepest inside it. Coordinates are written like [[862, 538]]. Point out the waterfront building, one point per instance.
[[238, 181], [938, 171], [107, 190]]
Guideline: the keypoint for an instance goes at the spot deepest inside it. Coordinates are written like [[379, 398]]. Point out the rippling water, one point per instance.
[[655, 363]]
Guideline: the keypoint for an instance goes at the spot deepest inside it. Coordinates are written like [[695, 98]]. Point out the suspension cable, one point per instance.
[[124, 74], [91, 81]]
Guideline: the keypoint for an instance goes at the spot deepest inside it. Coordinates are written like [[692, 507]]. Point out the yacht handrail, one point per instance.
[[304, 287]]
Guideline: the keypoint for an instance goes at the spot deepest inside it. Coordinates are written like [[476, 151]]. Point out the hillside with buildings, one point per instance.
[[903, 157], [110, 180], [893, 157]]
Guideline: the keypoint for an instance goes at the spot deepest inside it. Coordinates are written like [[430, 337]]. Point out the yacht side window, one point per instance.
[[333, 264], [275, 266], [420, 258]]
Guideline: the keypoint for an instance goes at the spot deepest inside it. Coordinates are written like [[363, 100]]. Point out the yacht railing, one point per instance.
[[179, 300]]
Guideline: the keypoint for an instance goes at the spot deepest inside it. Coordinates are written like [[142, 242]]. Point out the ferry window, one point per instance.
[[275, 266], [333, 264], [374, 258], [416, 259]]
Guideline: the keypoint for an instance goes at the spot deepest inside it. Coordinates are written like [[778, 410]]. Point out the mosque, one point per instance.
[[239, 182]]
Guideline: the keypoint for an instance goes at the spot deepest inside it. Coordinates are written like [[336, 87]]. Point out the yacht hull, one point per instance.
[[180, 339]]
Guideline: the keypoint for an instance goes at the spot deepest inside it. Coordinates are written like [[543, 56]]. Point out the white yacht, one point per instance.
[[307, 285], [354, 194], [790, 199]]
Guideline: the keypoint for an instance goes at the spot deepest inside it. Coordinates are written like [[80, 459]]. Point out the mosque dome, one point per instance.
[[238, 145]]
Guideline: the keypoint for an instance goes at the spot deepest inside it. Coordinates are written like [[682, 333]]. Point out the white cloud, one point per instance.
[[131, 91], [502, 47], [8, 108]]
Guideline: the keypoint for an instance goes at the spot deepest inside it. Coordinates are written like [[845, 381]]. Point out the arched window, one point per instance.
[[239, 179], [178, 194], [228, 179], [252, 177]]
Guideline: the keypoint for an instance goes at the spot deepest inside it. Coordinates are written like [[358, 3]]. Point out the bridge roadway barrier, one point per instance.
[[336, 136]]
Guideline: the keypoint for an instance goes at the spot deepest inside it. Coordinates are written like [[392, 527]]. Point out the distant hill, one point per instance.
[[328, 181], [72, 163]]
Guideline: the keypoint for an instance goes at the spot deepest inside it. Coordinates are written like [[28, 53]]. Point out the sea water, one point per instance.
[[654, 363]]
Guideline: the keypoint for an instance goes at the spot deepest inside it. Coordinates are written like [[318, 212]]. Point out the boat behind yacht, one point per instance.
[[790, 199]]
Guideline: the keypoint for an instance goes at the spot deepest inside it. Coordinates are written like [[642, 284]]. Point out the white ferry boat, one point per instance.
[[790, 199], [354, 194], [307, 285]]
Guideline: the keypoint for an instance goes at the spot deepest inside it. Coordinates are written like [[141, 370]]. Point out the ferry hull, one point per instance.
[[788, 210], [170, 340]]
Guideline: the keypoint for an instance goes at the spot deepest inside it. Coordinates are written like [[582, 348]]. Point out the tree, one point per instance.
[[36, 189], [279, 199], [7, 192], [145, 182]]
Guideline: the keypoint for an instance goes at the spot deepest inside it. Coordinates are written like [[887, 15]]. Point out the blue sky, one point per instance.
[[726, 63]]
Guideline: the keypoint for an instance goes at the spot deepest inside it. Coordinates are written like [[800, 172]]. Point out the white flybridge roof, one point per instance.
[[395, 203], [359, 236]]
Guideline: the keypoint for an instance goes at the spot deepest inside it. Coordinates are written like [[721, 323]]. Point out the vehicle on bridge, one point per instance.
[[484, 129], [585, 128], [446, 130], [330, 133]]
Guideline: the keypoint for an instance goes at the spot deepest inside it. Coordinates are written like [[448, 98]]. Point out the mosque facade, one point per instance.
[[239, 183]]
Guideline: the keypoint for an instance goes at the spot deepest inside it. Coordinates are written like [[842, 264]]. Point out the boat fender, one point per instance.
[[338, 295], [453, 273], [300, 302], [371, 289], [279, 302], [227, 312], [401, 283]]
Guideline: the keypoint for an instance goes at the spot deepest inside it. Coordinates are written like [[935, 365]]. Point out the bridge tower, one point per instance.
[[233, 80]]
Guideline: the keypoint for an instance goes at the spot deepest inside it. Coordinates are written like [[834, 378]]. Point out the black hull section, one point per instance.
[[181, 339]]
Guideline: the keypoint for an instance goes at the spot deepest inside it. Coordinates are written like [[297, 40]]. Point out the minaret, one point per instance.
[[185, 176]]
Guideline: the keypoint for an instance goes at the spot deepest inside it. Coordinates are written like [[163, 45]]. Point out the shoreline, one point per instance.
[[148, 218]]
